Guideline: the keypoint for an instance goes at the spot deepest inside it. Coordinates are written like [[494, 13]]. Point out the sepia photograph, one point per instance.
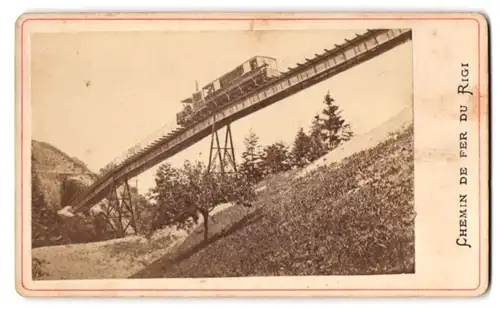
[[242, 155], [268, 161]]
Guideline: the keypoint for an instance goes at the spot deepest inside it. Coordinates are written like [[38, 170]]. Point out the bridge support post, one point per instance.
[[120, 213], [225, 154]]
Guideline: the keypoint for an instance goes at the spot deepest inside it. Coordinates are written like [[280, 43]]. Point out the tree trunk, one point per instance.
[[205, 224]]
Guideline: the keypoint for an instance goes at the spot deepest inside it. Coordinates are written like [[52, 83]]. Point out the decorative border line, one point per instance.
[[248, 19]]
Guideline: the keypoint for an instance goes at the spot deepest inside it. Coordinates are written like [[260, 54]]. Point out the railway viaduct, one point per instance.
[[328, 63]]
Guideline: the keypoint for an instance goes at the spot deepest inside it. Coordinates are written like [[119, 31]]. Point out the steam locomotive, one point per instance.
[[234, 84]]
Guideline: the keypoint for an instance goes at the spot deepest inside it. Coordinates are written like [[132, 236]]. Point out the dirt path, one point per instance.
[[117, 258]]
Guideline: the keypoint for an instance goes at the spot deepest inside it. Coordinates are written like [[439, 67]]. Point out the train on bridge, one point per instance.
[[249, 87], [255, 71]]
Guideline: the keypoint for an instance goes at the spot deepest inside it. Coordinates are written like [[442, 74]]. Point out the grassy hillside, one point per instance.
[[350, 218]]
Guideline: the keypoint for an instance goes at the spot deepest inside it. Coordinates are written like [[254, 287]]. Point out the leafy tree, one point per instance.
[[168, 198], [37, 199], [143, 210], [302, 147], [332, 124], [44, 223], [181, 194], [275, 158], [207, 190], [250, 168]]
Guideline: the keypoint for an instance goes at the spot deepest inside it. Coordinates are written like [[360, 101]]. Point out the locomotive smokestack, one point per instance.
[[196, 85]]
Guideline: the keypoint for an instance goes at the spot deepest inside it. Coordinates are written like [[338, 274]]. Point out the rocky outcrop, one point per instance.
[[56, 180]]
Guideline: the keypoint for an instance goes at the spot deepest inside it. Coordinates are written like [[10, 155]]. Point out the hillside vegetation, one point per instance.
[[331, 202], [349, 218]]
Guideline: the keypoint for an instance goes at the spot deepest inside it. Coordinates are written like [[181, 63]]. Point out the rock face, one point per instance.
[[72, 186], [56, 179]]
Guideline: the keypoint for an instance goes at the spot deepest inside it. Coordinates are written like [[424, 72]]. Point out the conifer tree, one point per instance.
[[250, 167], [318, 148], [333, 125], [276, 158], [302, 147]]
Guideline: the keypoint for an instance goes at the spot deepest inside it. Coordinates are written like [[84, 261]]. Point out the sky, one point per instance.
[[96, 94]]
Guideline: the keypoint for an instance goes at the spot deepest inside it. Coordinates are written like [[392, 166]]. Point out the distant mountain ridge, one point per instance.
[[46, 155]]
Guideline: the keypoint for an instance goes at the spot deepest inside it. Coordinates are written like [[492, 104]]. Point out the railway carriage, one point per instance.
[[228, 87]]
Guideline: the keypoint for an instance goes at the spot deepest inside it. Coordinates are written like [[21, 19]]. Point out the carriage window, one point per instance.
[[332, 62], [246, 67], [382, 37], [350, 53], [272, 64], [370, 43], [321, 66], [339, 58]]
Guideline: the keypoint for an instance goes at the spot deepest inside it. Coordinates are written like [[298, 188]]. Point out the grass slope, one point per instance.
[[350, 218]]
